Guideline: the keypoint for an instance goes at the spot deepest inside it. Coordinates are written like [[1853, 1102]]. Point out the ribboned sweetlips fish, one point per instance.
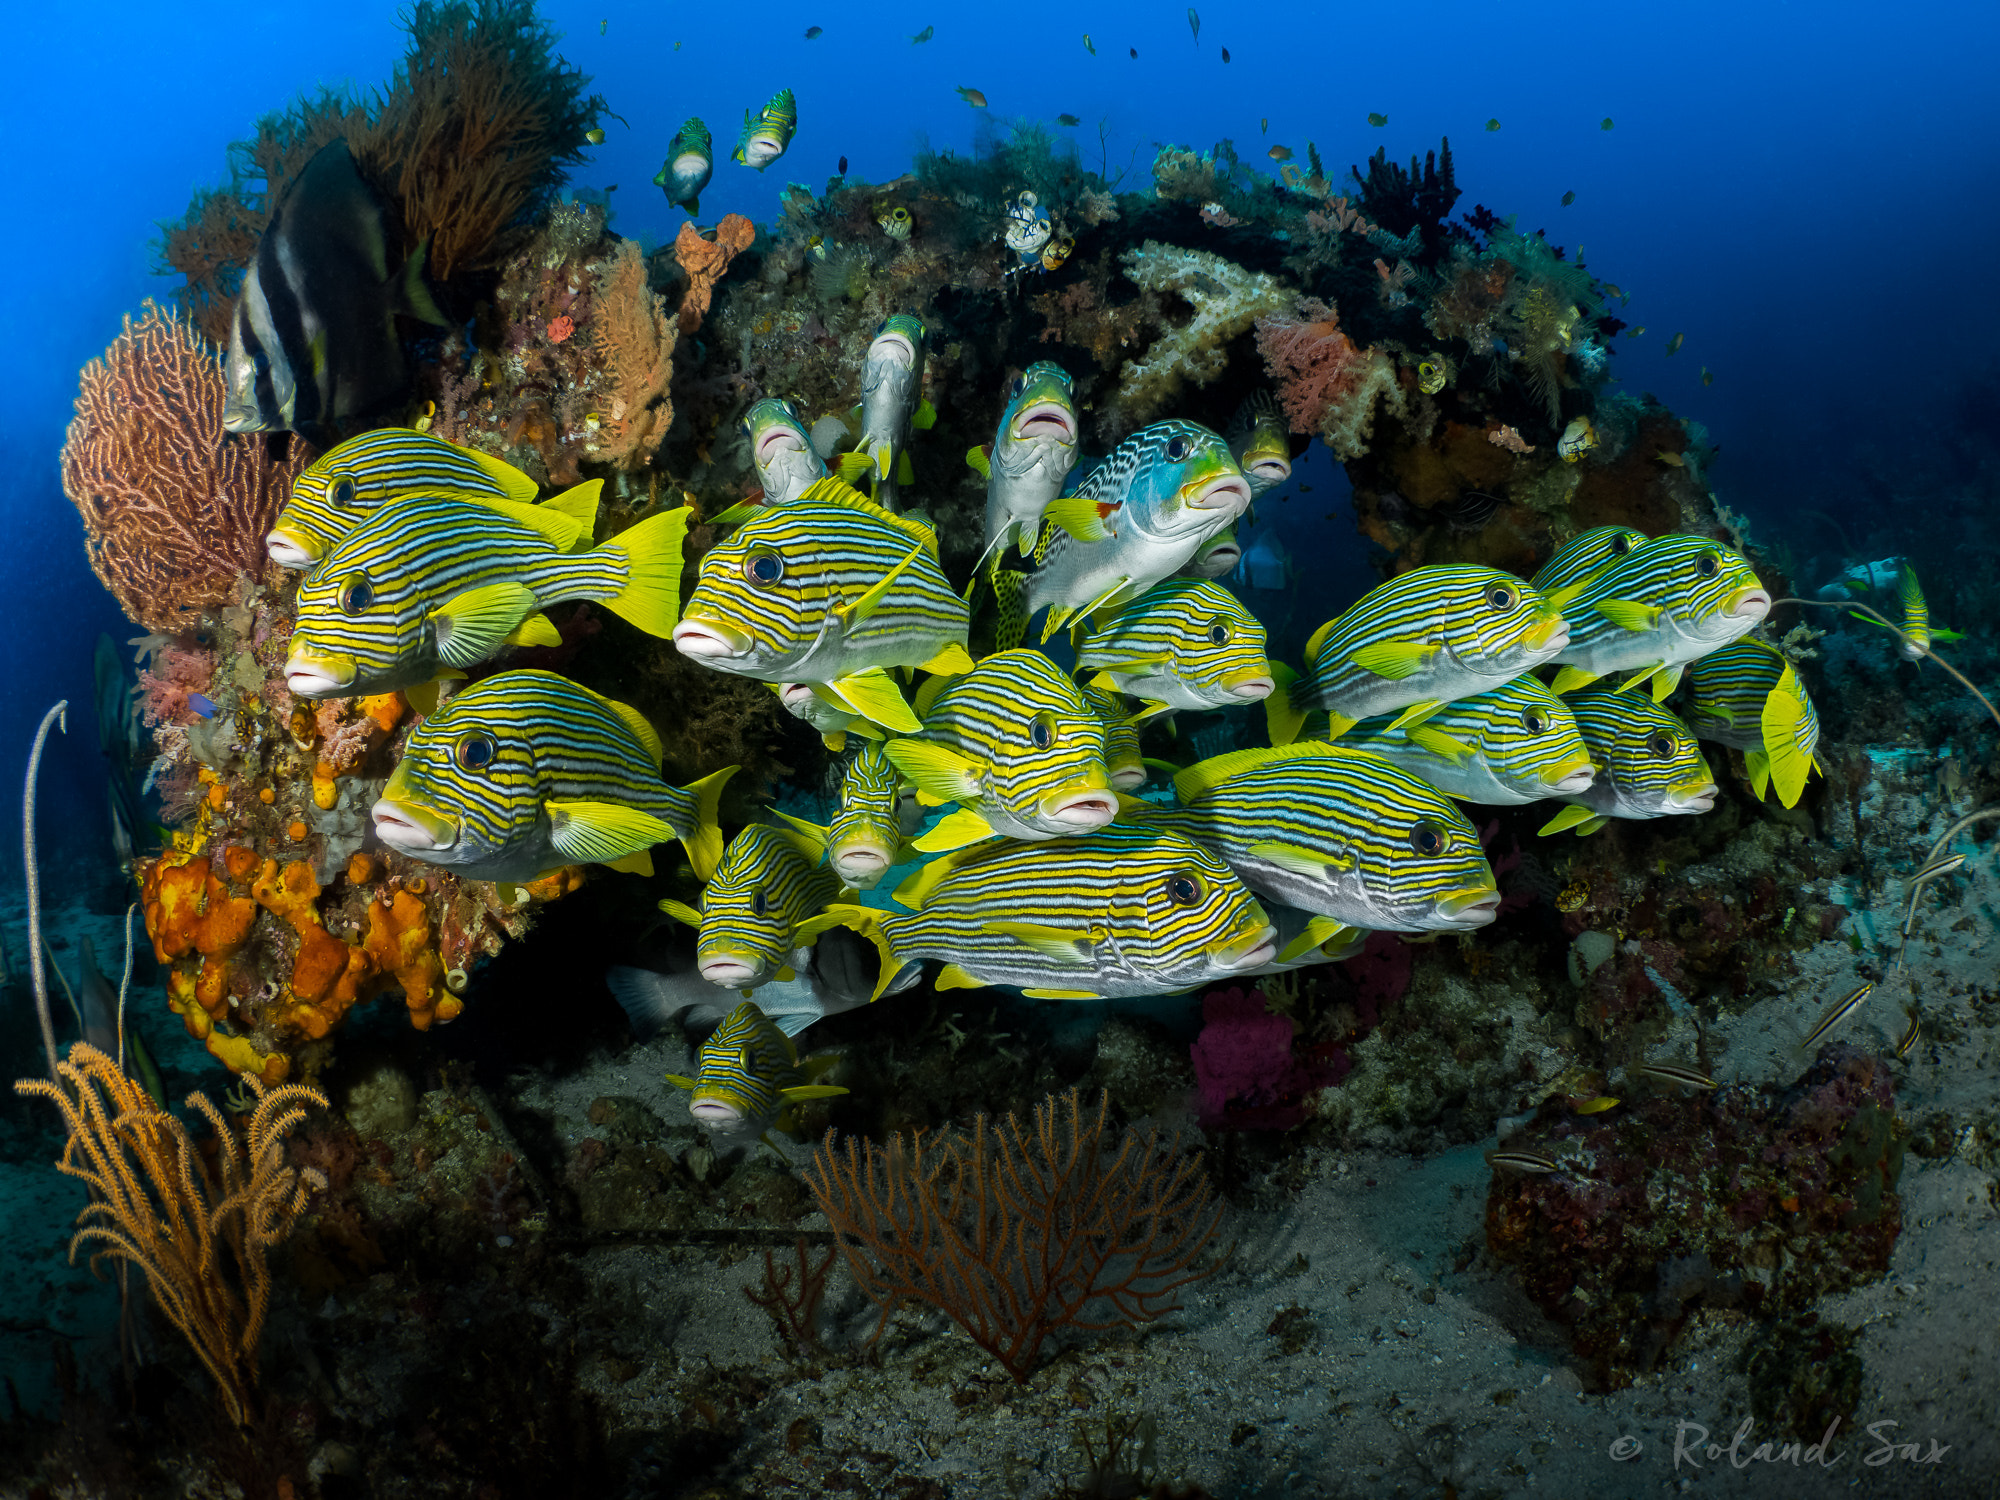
[[834, 721], [868, 834], [748, 1075], [526, 771], [1122, 756], [434, 582], [1648, 764], [1415, 643], [1261, 442], [1748, 696], [1509, 745], [689, 165], [892, 403], [768, 881], [767, 133], [781, 450], [1015, 745], [1579, 561], [1124, 910], [1184, 643], [837, 973], [828, 590]]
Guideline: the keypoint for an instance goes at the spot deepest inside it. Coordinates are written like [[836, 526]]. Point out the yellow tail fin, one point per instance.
[[652, 553], [704, 841], [1282, 719]]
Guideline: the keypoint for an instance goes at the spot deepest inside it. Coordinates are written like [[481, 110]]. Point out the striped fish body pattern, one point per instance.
[[1016, 746], [434, 581], [1030, 456], [1261, 443], [1430, 636], [1306, 943], [1748, 696], [866, 836], [822, 590], [1670, 602], [1339, 833], [768, 882], [781, 451], [892, 390], [1916, 613], [1513, 744], [344, 486], [1136, 518], [747, 1074], [1122, 911], [1584, 558], [1122, 757], [1648, 764], [1184, 643], [526, 771], [767, 133]]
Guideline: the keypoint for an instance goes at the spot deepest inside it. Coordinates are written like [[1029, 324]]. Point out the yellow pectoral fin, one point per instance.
[[1296, 858], [600, 832], [851, 466], [534, 631], [1446, 746], [954, 831], [979, 457], [937, 770], [1569, 679], [1557, 598], [681, 912], [1644, 674], [1628, 614], [868, 603], [1394, 660], [952, 661], [680, 1082], [736, 514], [1051, 942], [874, 695], [1664, 682], [1081, 517], [800, 1091], [473, 625], [1570, 817], [1062, 994], [1416, 713], [1317, 932]]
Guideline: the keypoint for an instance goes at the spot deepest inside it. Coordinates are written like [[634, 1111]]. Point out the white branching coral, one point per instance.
[[1226, 300]]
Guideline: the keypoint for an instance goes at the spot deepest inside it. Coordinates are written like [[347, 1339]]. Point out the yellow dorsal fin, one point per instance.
[[1318, 638], [641, 727], [1569, 817], [563, 531], [518, 486], [680, 911], [1205, 776], [579, 504]]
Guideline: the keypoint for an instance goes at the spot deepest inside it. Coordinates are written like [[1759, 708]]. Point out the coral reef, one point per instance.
[[1226, 300], [172, 509]]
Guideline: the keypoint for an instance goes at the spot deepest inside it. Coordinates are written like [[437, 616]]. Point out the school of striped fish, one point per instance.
[[1009, 791]]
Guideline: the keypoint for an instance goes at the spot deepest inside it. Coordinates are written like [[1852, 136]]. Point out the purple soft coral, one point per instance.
[[1243, 1063]]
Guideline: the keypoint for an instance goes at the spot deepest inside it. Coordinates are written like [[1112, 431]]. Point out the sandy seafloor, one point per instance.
[[1420, 1369]]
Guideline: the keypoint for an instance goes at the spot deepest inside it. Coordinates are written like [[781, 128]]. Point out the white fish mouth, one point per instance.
[[688, 165], [312, 679], [399, 830], [1124, 778], [778, 440], [1264, 953], [1572, 783], [703, 642], [1470, 908], [713, 1112], [797, 697], [1081, 812], [1250, 689], [1558, 638], [728, 970], [1223, 559], [1752, 605], [1270, 470], [1230, 492], [1700, 800], [894, 346], [285, 552], [864, 862], [1045, 419]]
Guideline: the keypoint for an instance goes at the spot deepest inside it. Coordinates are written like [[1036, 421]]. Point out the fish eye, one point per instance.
[[1020, 385], [1621, 544], [1661, 744], [1177, 448], [342, 492], [1500, 596], [879, 327], [474, 753], [1534, 721], [1183, 890], [356, 594], [763, 567], [759, 904], [1427, 838], [1708, 565], [1042, 731], [1218, 633]]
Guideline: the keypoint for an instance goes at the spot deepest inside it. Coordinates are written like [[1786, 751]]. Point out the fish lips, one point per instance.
[[715, 1112], [1046, 419], [732, 969], [797, 698], [1569, 783], [1128, 777], [1751, 604], [775, 441], [1552, 635], [1250, 689], [1691, 799], [894, 346], [1269, 471], [1079, 808], [707, 640], [1473, 908], [318, 676], [1224, 492], [413, 828], [288, 552], [862, 865], [1253, 950]]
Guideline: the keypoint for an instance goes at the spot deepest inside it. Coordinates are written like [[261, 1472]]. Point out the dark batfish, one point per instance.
[[1135, 54], [843, 166], [812, 32], [1225, 54], [313, 336]]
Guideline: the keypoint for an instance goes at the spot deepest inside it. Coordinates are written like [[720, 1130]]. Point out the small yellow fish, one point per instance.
[[1569, 198], [1633, 333], [1707, 377], [1607, 123], [595, 137], [1378, 120], [1280, 153], [1616, 292], [1492, 124], [1674, 343], [1671, 459], [973, 97], [1595, 1106]]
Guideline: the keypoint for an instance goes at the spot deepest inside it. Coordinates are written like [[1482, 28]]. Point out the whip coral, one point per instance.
[[172, 510]]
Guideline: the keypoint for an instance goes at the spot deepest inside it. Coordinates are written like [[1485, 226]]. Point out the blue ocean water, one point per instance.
[[1805, 191]]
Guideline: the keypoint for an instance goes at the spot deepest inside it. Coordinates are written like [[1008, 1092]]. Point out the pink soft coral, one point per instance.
[[1243, 1062], [1315, 365], [169, 678]]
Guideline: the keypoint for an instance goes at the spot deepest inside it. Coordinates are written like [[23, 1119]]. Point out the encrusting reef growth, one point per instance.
[[643, 446]]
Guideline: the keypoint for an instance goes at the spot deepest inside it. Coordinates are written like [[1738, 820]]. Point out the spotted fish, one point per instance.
[[1015, 745], [433, 583], [781, 450], [345, 485], [1670, 602], [1648, 765], [1336, 832], [829, 590], [1579, 561], [526, 771], [1030, 456], [1415, 643], [768, 882], [1509, 745], [1184, 643], [1748, 696], [748, 1075], [1122, 911]]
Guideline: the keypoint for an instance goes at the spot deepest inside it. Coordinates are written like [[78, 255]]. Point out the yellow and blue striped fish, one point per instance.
[[1301, 944], [526, 771], [1749, 697], [1336, 832], [866, 836], [1261, 442], [768, 882], [1184, 643], [344, 486], [433, 581], [1515, 744], [1122, 911], [1135, 518], [833, 721], [1916, 612], [1416, 643], [781, 450], [1122, 756], [1670, 602], [1016, 746], [748, 1074], [828, 590], [767, 133], [1582, 559], [1030, 456], [1648, 765]]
